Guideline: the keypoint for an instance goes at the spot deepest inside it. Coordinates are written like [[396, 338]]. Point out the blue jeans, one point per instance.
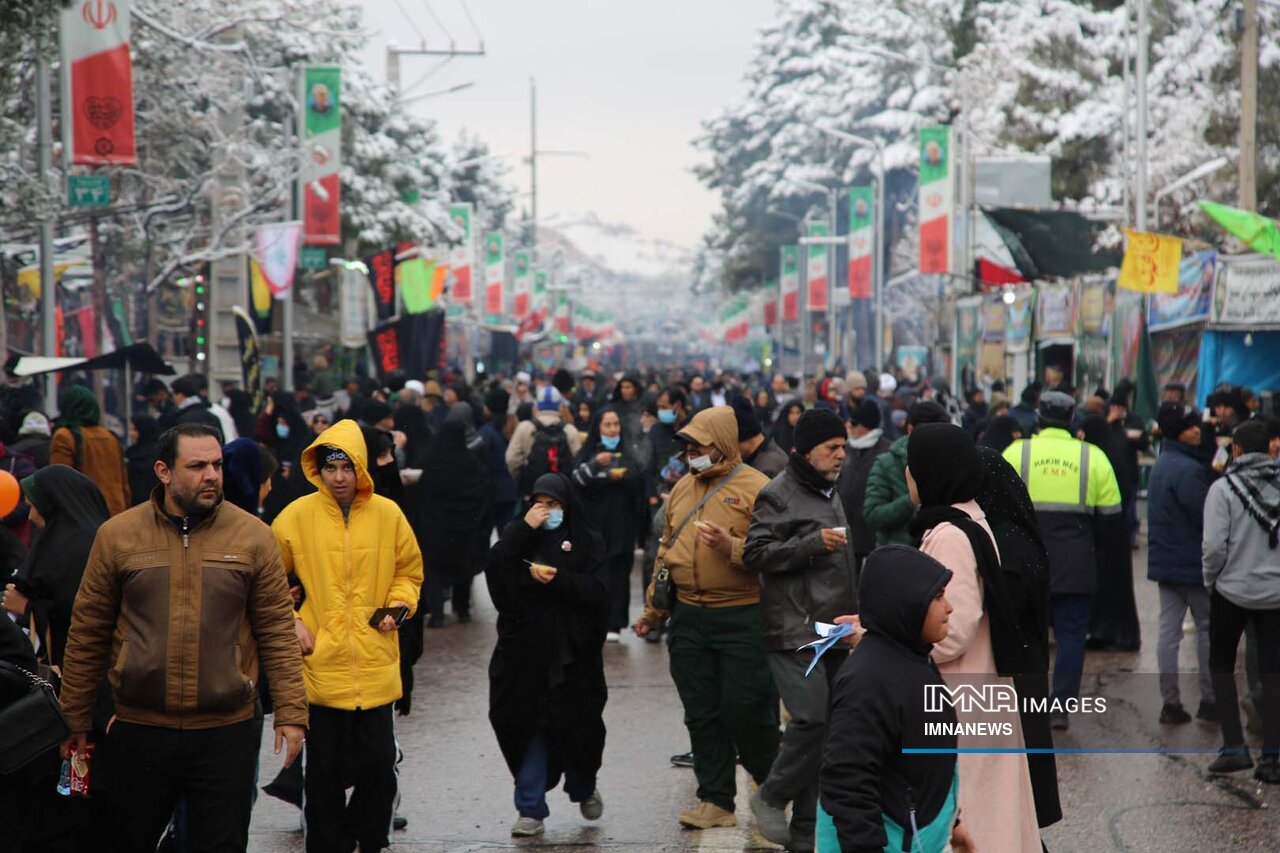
[[531, 782], [1070, 629]]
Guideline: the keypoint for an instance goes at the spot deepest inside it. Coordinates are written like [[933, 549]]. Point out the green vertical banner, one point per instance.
[[522, 283], [495, 264], [861, 241], [462, 256], [816, 272], [936, 199], [321, 139], [790, 283]]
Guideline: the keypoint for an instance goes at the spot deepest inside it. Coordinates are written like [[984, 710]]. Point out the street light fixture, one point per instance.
[[1203, 170], [461, 87], [881, 229]]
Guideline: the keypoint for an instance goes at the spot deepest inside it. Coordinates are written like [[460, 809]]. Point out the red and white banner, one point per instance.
[[816, 269], [97, 94], [523, 284], [321, 99], [790, 283], [275, 249], [462, 255], [861, 239]]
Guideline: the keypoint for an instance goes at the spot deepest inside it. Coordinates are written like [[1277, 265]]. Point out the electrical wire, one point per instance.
[[466, 10], [439, 23], [421, 35]]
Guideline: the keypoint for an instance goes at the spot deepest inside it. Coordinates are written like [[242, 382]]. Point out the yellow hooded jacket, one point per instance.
[[349, 567]]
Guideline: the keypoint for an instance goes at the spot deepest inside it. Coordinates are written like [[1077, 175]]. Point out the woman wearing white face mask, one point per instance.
[[548, 579], [610, 478]]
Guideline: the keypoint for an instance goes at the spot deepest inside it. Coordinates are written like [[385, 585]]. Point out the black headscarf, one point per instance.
[[73, 509], [576, 529], [242, 474], [451, 492], [945, 465], [998, 432], [240, 407], [784, 434], [413, 422], [591, 444]]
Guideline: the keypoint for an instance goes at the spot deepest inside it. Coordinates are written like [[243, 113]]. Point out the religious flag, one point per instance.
[[1150, 263], [97, 94], [275, 248], [1258, 232]]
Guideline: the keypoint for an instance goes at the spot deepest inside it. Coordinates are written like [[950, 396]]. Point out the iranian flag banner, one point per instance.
[[936, 201], [861, 239], [521, 284], [97, 94], [790, 282], [735, 320], [816, 269], [321, 154], [495, 263], [562, 315], [771, 303], [462, 256]]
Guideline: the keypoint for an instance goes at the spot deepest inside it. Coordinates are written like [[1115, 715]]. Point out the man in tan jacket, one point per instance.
[[722, 676], [183, 601]]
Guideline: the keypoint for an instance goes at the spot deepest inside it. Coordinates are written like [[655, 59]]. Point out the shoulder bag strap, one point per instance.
[[676, 536]]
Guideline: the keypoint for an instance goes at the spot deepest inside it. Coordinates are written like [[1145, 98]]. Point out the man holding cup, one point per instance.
[[798, 543]]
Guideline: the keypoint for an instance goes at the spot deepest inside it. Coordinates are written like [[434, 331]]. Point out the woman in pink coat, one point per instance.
[[944, 476]]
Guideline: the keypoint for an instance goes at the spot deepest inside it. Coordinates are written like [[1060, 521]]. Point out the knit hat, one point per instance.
[[326, 453], [35, 423], [549, 399], [855, 379], [887, 383], [866, 414], [1175, 418], [748, 423], [816, 426], [1055, 407], [375, 411]]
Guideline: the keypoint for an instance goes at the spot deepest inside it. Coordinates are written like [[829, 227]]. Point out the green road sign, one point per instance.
[[88, 190], [312, 258]]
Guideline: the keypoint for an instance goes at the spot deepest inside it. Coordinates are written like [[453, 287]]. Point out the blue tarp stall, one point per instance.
[[1241, 343]]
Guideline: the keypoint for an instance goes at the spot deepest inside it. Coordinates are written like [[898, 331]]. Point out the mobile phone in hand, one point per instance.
[[397, 613]]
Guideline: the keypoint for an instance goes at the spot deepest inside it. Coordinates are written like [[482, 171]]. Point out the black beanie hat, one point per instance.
[[866, 415], [375, 411], [816, 426], [1174, 418], [748, 423]]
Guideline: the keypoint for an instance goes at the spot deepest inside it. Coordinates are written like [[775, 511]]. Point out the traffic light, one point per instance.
[[199, 315]]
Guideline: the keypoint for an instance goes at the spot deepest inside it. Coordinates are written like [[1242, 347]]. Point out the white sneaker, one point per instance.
[[613, 637], [525, 827]]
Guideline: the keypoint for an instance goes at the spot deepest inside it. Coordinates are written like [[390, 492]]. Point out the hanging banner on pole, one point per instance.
[[790, 283], [353, 288], [523, 282], [250, 356], [936, 199], [275, 248], [382, 278], [1151, 262], [97, 94], [321, 154], [862, 215], [495, 267], [816, 269], [462, 256]]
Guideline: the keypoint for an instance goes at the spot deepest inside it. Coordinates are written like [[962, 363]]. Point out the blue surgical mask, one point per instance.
[[282, 430], [610, 442], [667, 416], [555, 518]]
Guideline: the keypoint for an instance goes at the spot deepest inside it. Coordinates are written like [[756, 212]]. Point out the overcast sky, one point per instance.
[[627, 82]]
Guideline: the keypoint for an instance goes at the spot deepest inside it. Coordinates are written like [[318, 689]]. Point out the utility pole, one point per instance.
[[44, 164], [1249, 107], [1140, 75], [533, 165], [394, 53]]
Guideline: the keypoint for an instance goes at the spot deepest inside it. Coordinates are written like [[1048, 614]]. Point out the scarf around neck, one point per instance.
[[1255, 480]]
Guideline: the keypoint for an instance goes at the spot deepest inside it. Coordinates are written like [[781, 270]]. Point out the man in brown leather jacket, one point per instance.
[[182, 599]]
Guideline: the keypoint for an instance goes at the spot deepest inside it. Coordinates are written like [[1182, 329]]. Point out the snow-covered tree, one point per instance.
[[479, 176]]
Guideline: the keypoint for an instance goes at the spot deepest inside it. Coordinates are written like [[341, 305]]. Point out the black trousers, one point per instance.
[[620, 590], [1227, 622], [211, 769], [349, 749]]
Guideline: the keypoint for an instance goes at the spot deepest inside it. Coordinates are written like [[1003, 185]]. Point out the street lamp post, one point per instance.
[[831, 263], [1189, 178], [881, 227]]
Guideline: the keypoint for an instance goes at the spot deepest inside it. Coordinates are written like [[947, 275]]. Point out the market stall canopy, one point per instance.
[[1052, 243], [1254, 230], [141, 357]]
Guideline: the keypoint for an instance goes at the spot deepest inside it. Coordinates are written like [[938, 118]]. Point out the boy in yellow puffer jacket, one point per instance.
[[354, 552]]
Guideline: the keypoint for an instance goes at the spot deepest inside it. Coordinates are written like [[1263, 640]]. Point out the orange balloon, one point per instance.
[[10, 493]]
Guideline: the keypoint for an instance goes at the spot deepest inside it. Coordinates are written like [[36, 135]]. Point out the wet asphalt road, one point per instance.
[[457, 792]]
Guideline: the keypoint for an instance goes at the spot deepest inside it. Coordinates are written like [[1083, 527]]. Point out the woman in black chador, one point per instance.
[[548, 578]]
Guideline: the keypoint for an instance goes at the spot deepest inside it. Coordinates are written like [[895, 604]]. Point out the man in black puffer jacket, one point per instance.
[[799, 544]]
